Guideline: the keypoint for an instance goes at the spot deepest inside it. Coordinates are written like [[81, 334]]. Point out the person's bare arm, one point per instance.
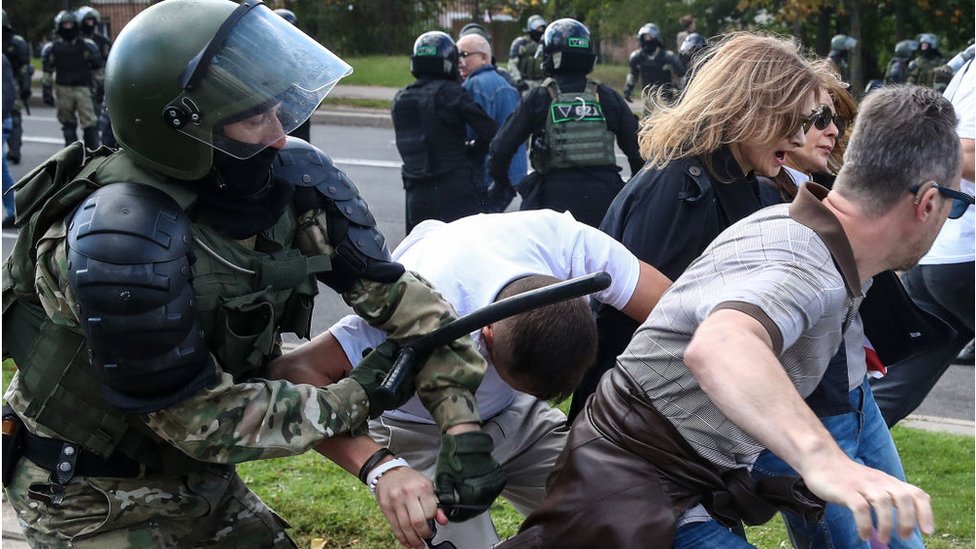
[[731, 357], [651, 284], [968, 158], [405, 496]]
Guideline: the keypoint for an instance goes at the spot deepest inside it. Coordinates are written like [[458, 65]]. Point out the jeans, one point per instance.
[[864, 437], [947, 292], [707, 535], [8, 179]]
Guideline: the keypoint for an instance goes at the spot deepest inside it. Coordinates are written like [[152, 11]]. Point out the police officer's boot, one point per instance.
[[14, 139], [91, 137], [70, 134]]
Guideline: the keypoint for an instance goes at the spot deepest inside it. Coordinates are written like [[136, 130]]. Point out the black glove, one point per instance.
[[48, 96], [467, 479], [371, 371]]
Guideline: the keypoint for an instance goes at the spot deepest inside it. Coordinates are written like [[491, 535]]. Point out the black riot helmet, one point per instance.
[[287, 15], [88, 18], [434, 54], [567, 48], [692, 44], [648, 37], [66, 24], [475, 28]]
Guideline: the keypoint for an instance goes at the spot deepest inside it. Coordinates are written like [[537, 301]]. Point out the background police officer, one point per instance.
[[429, 118], [572, 121], [72, 68], [89, 18], [840, 48], [654, 64], [523, 63], [160, 277], [922, 69], [18, 52], [897, 70]]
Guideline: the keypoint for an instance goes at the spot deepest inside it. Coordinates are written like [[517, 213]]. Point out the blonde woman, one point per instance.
[[739, 116]]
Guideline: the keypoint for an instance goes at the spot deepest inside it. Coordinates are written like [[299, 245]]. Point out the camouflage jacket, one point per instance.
[[245, 417]]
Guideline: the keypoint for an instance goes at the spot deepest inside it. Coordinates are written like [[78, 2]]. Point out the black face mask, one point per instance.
[[650, 45], [242, 198], [68, 34], [88, 30], [535, 35]]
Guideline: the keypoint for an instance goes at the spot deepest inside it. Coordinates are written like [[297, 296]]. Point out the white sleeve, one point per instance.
[[591, 250], [355, 335]]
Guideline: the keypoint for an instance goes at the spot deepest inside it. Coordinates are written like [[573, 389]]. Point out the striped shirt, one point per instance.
[[791, 268]]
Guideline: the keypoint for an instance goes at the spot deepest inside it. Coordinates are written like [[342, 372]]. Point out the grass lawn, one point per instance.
[[329, 508]]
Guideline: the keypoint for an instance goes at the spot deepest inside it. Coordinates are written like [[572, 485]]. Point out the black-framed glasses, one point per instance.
[[821, 118], [960, 200], [466, 54]]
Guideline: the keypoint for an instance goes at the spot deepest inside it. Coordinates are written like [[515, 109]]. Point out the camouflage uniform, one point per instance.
[[200, 500], [922, 71]]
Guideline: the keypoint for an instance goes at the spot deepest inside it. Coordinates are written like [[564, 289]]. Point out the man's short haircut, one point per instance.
[[687, 20], [904, 136], [546, 350]]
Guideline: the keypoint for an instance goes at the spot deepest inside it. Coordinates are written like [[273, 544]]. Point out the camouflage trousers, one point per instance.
[[75, 99], [209, 508]]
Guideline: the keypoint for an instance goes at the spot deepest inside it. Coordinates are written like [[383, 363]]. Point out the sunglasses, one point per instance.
[[960, 200], [821, 118], [466, 54]]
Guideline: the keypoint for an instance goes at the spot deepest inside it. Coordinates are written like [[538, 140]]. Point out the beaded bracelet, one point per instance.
[[382, 469], [372, 461]]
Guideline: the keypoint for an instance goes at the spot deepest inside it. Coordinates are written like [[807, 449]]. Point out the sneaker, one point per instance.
[[966, 356]]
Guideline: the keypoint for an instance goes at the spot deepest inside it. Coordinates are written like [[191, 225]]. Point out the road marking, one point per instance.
[[46, 140]]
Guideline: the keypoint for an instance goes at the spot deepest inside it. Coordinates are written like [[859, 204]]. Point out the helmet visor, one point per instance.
[[258, 79]]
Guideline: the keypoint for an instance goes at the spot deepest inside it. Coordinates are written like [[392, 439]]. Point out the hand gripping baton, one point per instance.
[[416, 352]]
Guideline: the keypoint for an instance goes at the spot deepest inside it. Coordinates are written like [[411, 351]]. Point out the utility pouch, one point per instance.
[[13, 445]]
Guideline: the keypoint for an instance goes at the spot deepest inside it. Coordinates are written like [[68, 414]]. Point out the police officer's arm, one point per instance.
[[471, 113], [624, 127], [335, 222], [633, 62], [513, 57], [513, 133], [95, 61], [47, 78], [676, 64]]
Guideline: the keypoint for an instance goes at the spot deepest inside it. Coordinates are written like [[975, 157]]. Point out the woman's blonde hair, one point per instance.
[[747, 88]]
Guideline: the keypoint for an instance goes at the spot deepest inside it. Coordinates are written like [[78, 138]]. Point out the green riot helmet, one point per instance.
[[842, 42], [928, 39], [184, 70], [567, 48], [88, 18], [906, 48], [434, 54], [535, 26], [475, 28]]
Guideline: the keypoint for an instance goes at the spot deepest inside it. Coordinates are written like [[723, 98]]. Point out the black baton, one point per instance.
[[417, 351]]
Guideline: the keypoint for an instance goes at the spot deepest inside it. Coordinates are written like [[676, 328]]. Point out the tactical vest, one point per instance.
[[244, 299], [576, 131], [528, 65], [654, 68], [71, 60], [426, 145]]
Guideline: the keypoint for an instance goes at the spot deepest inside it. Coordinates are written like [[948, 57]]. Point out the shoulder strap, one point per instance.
[[551, 86]]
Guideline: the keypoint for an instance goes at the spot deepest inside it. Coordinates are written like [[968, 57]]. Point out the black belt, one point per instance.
[[65, 459]]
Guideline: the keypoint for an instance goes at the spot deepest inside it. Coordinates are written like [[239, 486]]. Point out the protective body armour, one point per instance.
[[576, 131]]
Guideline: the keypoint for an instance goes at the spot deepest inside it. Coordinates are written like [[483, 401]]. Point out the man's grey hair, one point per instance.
[[904, 136], [477, 43]]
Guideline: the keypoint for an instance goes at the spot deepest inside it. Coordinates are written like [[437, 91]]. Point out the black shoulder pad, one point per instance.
[[305, 165], [129, 263], [369, 242]]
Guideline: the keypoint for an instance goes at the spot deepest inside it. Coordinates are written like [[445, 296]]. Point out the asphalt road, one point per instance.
[[369, 156]]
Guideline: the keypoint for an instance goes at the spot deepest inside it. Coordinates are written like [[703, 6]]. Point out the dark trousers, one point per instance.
[[584, 192], [947, 292], [446, 197]]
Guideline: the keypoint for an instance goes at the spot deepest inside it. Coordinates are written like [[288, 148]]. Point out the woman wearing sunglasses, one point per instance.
[[843, 400], [739, 117]]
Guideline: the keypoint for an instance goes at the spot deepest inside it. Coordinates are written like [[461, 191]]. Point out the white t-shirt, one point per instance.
[[470, 260], [956, 242]]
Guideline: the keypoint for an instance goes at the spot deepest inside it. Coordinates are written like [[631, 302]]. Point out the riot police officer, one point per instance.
[[840, 47], [523, 63], [572, 122], [654, 64], [429, 118], [691, 47], [89, 19], [922, 69], [72, 67], [897, 71], [159, 277], [18, 52]]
